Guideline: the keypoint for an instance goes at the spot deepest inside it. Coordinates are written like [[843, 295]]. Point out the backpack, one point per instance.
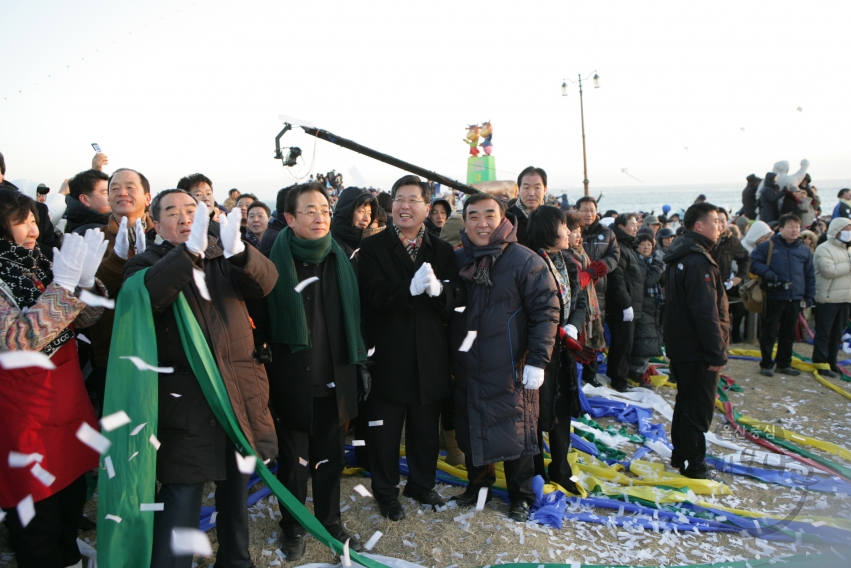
[[751, 291]]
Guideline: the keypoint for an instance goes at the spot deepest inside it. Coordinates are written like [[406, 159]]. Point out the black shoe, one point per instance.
[[696, 472], [519, 512], [766, 372], [470, 497], [827, 373], [293, 547], [594, 382], [340, 534], [570, 486], [620, 386], [787, 371], [424, 497], [392, 510]]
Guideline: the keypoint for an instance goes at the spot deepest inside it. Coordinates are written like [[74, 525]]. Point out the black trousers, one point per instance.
[[182, 508], [422, 445], [447, 413], [50, 539], [518, 477], [830, 326], [96, 386], [618, 361], [327, 442], [778, 324], [738, 313], [695, 404]]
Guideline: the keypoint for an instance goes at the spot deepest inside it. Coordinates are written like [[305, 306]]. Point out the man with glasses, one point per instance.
[[316, 350], [410, 286]]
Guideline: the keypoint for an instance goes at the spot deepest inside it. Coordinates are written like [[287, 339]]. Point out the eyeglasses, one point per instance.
[[411, 202], [313, 213]]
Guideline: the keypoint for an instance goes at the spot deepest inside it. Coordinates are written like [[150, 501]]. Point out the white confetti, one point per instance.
[[187, 542], [154, 442], [361, 490], [138, 428], [483, 497], [347, 561], [302, 461], [43, 475], [96, 301], [175, 395], [26, 510], [331, 385], [92, 438], [468, 341], [110, 469], [358, 443], [354, 253], [142, 366], [17, 459], [213, 517], [83, 338], [460, 309], [22, 359], [371, 352], [305, 283], [133, 456], [370, 544], [201, 283], [319, 463], [151, 506], [115, 420], [246, 464], [115, 518], [376, 422]]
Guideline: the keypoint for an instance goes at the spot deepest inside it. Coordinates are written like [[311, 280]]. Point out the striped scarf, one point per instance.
[[411, 247]]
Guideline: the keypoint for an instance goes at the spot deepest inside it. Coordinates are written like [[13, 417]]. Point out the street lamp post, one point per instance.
[[582, 117]]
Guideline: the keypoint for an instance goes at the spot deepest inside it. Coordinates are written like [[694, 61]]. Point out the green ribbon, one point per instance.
[[128, 544]]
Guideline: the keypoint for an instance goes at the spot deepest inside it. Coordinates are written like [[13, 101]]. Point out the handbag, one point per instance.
[[751, 291]]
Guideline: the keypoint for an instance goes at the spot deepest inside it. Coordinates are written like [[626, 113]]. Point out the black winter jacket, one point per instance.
[[81, 217], [521, 223], [647, 338], [516, 321], [791, 262], [769, 195], [600, 243], [194, 444], [697, 321], [411, 359], [347, 235], [626, 285], [749, 198]]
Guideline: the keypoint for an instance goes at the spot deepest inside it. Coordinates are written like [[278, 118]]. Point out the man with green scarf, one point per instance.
[[317, 349]]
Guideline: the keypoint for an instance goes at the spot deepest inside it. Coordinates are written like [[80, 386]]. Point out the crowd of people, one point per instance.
[[382, 313]]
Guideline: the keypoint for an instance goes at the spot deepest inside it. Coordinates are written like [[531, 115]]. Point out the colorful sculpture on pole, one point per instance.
[[480, 168], [472, 139]]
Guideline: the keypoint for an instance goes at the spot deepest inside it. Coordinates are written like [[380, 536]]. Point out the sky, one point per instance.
[[690, 92]]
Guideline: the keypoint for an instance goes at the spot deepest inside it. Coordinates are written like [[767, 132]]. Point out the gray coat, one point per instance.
[[516, 321]]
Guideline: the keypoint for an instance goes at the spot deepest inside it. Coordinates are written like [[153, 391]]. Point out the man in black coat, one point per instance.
[[410, 286], [749, 197], [624, 296], [531, 194], [513, 309], [316, 352], [696, 324], [601, 246], [195, 448], [87, 202]]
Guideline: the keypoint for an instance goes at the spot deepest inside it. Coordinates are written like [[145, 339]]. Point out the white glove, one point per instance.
[[122, 241], [571, 331], [96, 245], [434, 285], [231, 241], [197, 242], [68, 263], [533, 377], [420, 281], [140, 237], [728, 284], [628, 314]]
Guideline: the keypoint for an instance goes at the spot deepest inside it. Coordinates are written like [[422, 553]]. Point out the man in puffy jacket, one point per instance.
[[601, 246], [791, 285], [833, 293], [749, 197], [511, 317], [696, 324]]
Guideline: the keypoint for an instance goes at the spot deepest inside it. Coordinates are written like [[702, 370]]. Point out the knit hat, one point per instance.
[[651, 220]]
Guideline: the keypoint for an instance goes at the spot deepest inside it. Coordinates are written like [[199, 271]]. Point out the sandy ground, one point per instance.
[[432, 538]]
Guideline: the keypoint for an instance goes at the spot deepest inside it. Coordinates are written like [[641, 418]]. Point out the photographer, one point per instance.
[[789, 280]]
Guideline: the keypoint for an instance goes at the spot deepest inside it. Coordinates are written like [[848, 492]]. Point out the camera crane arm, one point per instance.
[[374, 154]]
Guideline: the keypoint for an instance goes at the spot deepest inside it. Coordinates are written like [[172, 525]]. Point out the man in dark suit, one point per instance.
[[409, 285], [316, 350]]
